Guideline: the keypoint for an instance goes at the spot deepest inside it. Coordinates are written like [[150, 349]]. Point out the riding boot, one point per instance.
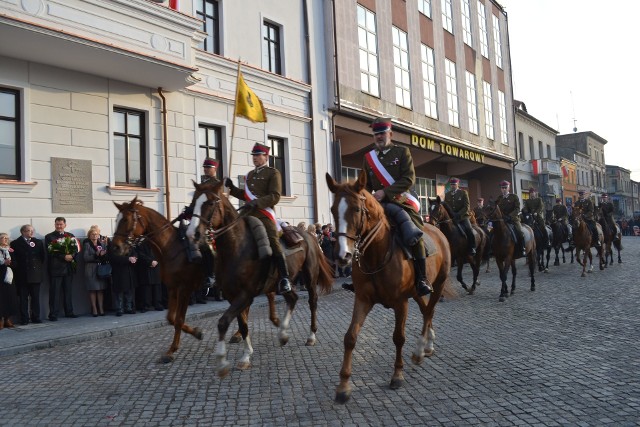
[[423, 287], [284, 286], [194, 254], [470, 239], [523, 248]]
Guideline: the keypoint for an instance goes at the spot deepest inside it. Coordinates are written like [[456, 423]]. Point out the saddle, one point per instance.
[[408, 232], [291, 237]]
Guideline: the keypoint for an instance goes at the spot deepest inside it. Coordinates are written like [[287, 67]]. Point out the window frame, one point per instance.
[[482, 24], [371, 57], [215, 148], [143, 147], [201, 13], [278, 159], [430, 89], [472, 103], [447, 15], [497, 40], [424, 7], [272, 47], [467, 34], [17, 122], [502, 106], [401, 62], [488, 110], [453, 107]]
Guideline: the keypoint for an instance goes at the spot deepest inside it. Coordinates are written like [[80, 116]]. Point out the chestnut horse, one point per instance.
[[505, 250], [441, 216], [382, 274], [611, 239], [135, 223], [582, 238], [243, 275]]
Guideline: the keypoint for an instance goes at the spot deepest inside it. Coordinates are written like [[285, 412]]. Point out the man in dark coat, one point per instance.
[[606, 210], [210, 168], [561, 214], [585, 204], [149, 283], [263, 187], [458, 201], [509, 205], [28, 265], [534, 206], [60, 272], [390, 178], [124, 280], [478, 211]]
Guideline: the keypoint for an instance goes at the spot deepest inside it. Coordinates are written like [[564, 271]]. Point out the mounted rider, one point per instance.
[[390, 177], [509, 205], [478, 211], [561, 214], [263, 187], [534, 206], [586, 207], [606, 210], [458, 201]]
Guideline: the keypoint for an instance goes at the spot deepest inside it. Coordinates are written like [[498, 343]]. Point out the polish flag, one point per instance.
[[536, 167], [174, 4], [565, 172]]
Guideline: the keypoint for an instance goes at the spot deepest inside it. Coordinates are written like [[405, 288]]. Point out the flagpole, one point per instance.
[[233, 125]]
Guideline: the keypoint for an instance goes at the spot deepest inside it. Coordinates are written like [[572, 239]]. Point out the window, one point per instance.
[[502, 106], [401, 67], [482, 22], [207, 11], [549, 155], [9, 134], [425, 188], [540, 153], [429, 82], [271, 48], [447, 15], [349, 174], [210, 145], [497, 42], [466, 22], [368, 45], [472, 103], [488, 109], [531, 152], [129, 147], [452, 93], [424, 7], [521, 145], [277, 160]]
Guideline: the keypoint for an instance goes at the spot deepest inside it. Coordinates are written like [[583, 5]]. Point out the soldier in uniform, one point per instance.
[[535, 207], [210, 169], [390, 176], [458, 201], [586, 206], [561, 214], [606, 210], [509, 205], [263, 187], [478, 211]]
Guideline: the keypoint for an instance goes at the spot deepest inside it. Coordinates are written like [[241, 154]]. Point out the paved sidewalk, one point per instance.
[[23, 339]]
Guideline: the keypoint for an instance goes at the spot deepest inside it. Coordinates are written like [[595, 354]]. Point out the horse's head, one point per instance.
[[576, 216], [492, 212], [527, 218], [438, 211], [355, 212], [130, 226], [209, 207]]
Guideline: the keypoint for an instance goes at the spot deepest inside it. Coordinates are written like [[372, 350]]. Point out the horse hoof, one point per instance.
[[310, 342], [417, 360], [396, 383], [428, 353], [465, 287], [167, 358], [533, 288], [546, 270], [284, 339], [235, 339], [557, 263], [583, 275], [243, 366], [343, 397], [224, 369], [502, 298], [197, 333], [471, 291]]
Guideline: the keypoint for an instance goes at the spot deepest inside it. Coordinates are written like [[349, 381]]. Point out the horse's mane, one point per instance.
[[447, 208]]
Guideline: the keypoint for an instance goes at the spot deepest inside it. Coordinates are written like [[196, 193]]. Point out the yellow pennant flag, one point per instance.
[[248, 105]]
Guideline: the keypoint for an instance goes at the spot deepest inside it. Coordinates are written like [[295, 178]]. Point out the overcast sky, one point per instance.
[[575, 59]]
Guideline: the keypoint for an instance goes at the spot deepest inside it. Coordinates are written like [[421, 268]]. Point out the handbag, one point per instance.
[[8, 277], [104, 270]]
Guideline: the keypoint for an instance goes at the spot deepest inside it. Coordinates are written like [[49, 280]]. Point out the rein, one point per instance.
[[134, 240]]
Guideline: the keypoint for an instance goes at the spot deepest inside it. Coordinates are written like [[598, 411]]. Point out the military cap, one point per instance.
[[505, 183], [454, 181], [210, 163], [260, 149], [381, 125]]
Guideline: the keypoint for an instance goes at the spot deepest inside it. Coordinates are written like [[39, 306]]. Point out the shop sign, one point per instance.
[[448, 149]]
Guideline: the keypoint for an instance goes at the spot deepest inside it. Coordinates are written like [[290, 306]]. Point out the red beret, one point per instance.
[[505, 183], [480, 199], [454, 181], [210, 163]]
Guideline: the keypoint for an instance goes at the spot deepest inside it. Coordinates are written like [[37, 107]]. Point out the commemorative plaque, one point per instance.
[[71, 183]]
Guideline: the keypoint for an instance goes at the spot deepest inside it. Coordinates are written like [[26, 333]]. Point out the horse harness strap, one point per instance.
[[133, 240]]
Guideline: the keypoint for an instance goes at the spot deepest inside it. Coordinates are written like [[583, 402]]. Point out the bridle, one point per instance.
[[131, 238], [437, 223], [211, 233], [362, 242]]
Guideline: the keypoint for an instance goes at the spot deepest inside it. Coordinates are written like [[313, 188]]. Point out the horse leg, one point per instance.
[[283, 333], [556, 262], [460, 264], [313, 309], [273, 313], [237, 336], [180, 304], [399, 339], [243, 327], [475, 268], [514, 271], [425, 344], [546, 267], [239, 304], [532, 272], [360, 311], [504, 292]]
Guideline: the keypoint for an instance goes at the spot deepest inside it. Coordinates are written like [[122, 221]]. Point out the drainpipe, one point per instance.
[[312, 138], [337, 83], [512, 106], [167, 192]]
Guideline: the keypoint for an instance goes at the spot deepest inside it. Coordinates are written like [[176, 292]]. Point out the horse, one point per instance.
[[611, 239], [243, 274], [382, 274], [441, 216], [582, 239], [136, 223], [505, 250], [560, 236], [541, 242]]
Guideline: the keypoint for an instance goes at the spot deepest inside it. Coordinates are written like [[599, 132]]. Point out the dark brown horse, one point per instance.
[[612, 238], [541, 241], [503, 246], [243, 274], [441, 216], [583, 239], [560, 236], [382, 274], [136, 222]]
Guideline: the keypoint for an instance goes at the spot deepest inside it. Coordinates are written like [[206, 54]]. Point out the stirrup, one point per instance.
[[423, 288], [284, 286], [209, 282]]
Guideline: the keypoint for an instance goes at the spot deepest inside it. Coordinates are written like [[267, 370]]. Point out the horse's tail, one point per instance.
[[618, 244], [325, 274]]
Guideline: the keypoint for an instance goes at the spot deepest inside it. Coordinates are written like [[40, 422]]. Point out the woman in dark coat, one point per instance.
[[94, 251], [149, 283], [124, 281]]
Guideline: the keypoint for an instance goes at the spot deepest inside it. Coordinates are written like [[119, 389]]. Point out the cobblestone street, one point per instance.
[[566, 354]]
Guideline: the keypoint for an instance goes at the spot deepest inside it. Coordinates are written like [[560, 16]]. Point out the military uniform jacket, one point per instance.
[[265, 183], [28, 260], [534, 207], [509, 206], [586, 206], [398, 162], [459, 203], [607, 210], [481, 218], [560, 212]]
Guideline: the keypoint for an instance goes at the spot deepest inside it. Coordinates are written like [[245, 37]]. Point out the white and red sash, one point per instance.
[[386, 180], [248, 195]]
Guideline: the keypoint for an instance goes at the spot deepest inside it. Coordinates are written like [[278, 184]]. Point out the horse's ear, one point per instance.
[[218, 187], [438, 199], [118, 205], [333, 185], [361, 182], [195, 185]]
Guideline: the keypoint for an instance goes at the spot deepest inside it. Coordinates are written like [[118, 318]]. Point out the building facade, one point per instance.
[[621, 191], [441, 71], [569, 170]]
